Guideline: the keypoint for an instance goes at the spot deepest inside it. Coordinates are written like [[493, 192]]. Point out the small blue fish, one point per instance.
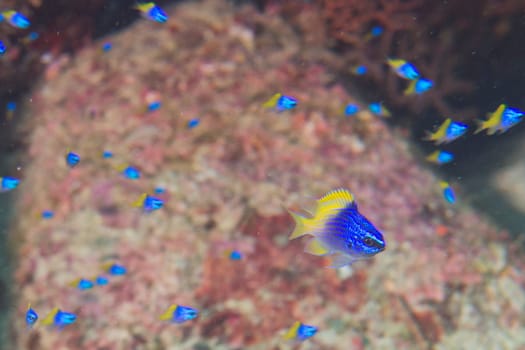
[[440, 157], [31, 37], [403, 68], [351, 109], [339, 230], [501, 120], [72, 159], [31, 317], [418, 86], [235, 255], [179, 314], [101, 281], [129, 172], [8, 183], [281, 102], [378, 109], [359, 70], [107, 46], [374, 32], [2, 48], [159, 190], [193, 123], [115, 269], [148, 203], [10, 108], [82, 284], [16, 19], [448, 192], [447, 132], [107, 154], [299, 332], [59, 318], [47, 214], [152, 12], [154, 106]]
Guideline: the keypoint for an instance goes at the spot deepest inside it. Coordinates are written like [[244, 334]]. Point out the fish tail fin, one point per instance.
[[139, 202], [411, 88], [272, 102], [74, 283], [292, 332], [481, 125], [168, 314], [429, 136], [50, 318], [303, 225]]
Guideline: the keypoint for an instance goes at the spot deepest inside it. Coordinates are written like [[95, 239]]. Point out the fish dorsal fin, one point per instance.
[[337, 199], [315, 247]]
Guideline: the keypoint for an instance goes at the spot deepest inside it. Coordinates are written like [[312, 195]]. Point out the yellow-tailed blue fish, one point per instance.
[[299, 332], [501, 120], [152, 12], [447, 132], [339, 230], [403, 69], [440, 157], [179, 314]]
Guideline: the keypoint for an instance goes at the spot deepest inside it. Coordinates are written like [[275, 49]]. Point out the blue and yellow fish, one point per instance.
[[128, 171], [281, 102], [107, 154], [10, 108], [501, 120], [107, 46], [59, 318], [447, 132], [403, 69], [193, 123], [82, 284], [47, 214], [114, 269], [101, 280], [179, 314], [350, 109], [148, 203], [359, 70], [16, 19], [418, 86], [31, 317], [378, 109], [374, 32], [339, 230], [2, 48], [440, 157], [448, 192], [72, 159], [152, 12], [299, 332], [8, 183]]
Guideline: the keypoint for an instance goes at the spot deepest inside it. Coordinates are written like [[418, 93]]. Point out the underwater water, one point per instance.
[[261, 175]]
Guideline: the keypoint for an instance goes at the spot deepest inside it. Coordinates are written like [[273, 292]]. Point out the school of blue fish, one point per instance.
[[336, 228]]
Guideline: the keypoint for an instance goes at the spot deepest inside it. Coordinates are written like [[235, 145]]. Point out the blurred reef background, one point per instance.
[[451, 277]]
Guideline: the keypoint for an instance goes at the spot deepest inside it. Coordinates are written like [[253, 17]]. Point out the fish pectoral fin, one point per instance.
[[341, 260], [315, 247]]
